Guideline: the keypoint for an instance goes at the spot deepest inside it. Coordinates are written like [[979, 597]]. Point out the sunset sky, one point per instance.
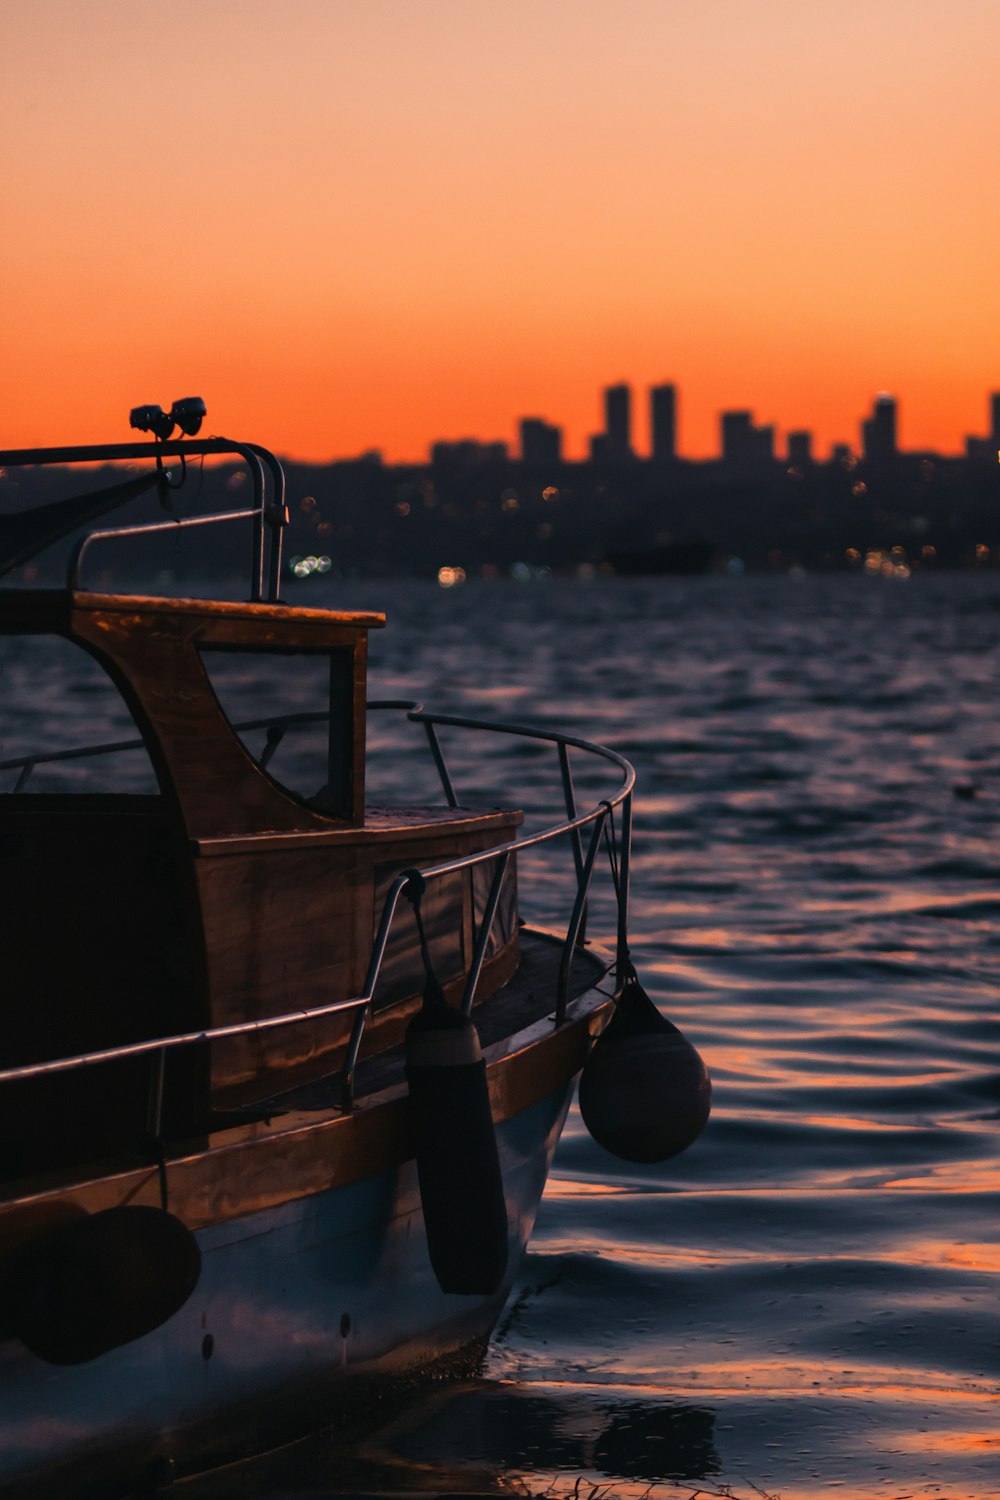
[[355, 224]]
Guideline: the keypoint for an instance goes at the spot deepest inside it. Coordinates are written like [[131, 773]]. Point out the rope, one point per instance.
[[416, 885], [165, 485], [611, 842], [158, 1152]]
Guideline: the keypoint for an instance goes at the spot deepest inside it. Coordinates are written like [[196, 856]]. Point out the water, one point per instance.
[[807, 1301]]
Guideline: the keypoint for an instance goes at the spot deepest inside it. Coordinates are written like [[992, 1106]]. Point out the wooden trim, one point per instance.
[[390, 824], [49, 604]]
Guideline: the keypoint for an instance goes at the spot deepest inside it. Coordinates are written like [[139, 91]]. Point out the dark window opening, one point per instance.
[[293, 713]]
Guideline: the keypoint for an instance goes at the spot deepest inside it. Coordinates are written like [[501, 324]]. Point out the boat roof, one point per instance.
[[52, 609]]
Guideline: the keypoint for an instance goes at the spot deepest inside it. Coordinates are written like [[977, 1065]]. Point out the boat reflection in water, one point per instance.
[[483, 1436]]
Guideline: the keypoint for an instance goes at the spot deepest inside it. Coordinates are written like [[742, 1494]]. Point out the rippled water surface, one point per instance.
[[808, 1300]]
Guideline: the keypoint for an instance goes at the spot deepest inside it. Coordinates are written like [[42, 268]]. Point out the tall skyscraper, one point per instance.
[[618, 420], [878, 432], [737, 437], [541, 443], [663, 422], [995, 421], [800, 449]]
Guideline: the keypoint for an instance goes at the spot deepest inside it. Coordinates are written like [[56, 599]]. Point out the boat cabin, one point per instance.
[[232, 892]]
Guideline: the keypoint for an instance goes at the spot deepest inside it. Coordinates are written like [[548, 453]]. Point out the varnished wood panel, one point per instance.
[[293, 928]]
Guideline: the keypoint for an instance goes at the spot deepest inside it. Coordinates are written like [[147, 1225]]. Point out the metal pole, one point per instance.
[[624, 860], [277, 519], [486, 927], [154, 1109], [569, 797], [371, 980], [439, 761], [565, 962]]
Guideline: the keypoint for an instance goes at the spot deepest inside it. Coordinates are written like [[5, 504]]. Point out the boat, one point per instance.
[[681, 559], [282, 1072]]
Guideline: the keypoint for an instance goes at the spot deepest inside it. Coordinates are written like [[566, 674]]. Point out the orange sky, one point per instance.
[[368, 223]]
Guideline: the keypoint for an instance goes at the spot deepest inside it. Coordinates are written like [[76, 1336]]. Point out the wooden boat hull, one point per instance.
[[299, 1308]]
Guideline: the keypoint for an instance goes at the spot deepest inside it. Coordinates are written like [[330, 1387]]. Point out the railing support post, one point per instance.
[[154, 1106], [486, 927], [569, 796], [565, 963], [624, 860], [371, 980], [439, 761]]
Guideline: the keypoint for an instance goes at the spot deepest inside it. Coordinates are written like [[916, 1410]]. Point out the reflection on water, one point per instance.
[[488, 1436], [808, 1300]]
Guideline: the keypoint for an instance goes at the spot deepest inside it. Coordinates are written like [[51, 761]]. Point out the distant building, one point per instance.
[[800, 449], [541, 443], [600, 448], [663, 422], [737, 436], [467, 453], [618, 421], [878, 432], [840, 453], [745, 446], [985, 450]]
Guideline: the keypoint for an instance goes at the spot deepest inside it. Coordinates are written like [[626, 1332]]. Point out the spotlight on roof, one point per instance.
[[188, 413], [151, 419]]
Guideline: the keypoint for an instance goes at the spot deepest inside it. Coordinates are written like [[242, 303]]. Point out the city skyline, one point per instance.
[[353, 227], [741, 440]]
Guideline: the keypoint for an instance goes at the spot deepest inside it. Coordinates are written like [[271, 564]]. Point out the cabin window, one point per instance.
[[64, 726], [293, 713]]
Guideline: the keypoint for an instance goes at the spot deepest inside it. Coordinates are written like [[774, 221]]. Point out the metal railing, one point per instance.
[[598, 819], [266, 512]]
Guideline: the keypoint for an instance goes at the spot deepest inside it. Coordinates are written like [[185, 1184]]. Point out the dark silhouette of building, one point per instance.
[[663, 422], [467, 453], [980, 450], [986, 450], [745, 446], [541, 443], [878, 432], [618, 421], [737, 436], [800, 449]]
